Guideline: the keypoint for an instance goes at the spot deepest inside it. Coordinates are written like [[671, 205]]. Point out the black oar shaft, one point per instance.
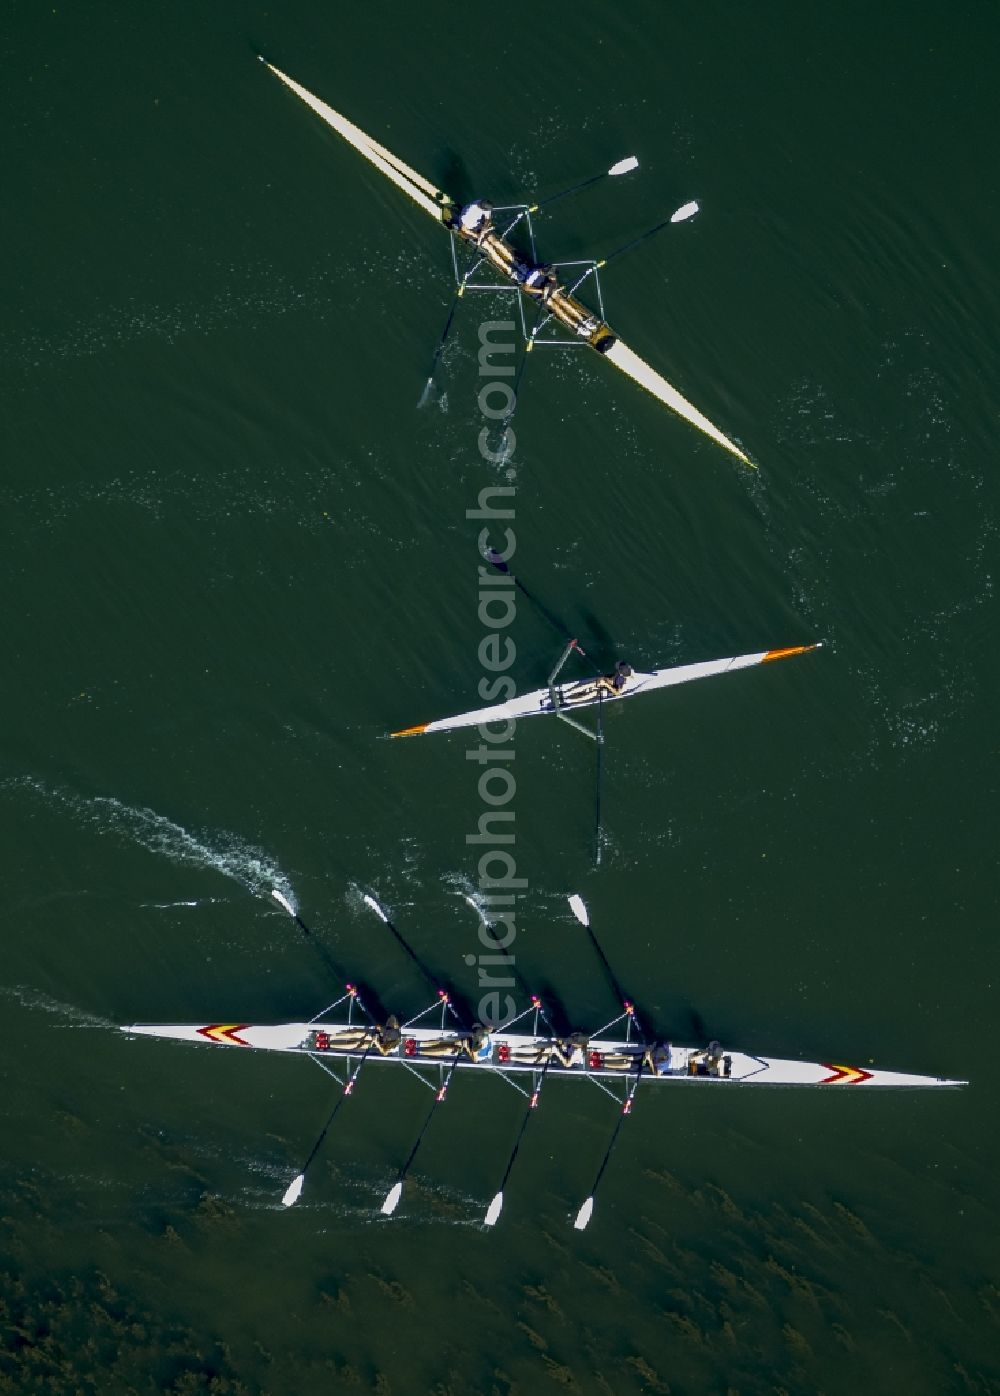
[[438, 1099], [524, 1124], [598, 840], [620, 251], [626, 1110], [565, 193], [418, 962], [444, 335]]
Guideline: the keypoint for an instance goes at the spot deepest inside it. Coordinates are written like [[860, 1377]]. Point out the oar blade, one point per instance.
[[283, 901], [685, 212], [493, 1213], [584, 1215], [294, 1191], [579, 909], [370, 901], [392, 1200], [624, 166]]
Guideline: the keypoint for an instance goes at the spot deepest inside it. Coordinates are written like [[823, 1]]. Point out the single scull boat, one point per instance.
[[472, 225], [587, 693]]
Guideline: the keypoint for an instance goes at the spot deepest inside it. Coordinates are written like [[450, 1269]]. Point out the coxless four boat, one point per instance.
[[500, 1052], [352, 1037]]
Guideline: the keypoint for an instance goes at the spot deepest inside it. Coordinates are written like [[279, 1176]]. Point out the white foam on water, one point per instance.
[[225, 852], [199, 901], [37, 1002], [461, 885]]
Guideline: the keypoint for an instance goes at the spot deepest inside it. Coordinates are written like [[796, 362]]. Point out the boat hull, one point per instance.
[[587, 693]]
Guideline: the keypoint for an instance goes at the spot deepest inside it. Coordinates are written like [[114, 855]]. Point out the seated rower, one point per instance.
[[540, 282], [469, 1044], [476, 219], [387, 1038], [708, 1062], [614, 683], [352, 1039], [533, 1053], [570, 1051], [656, 1059]]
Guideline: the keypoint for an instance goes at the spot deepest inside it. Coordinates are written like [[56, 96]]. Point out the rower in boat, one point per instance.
[[623, 1060], [614, 683], [567, 1051], [361, 1038], [708, 1062], [388, 1038], [476, 1045], [656, 1059], [475, 220]]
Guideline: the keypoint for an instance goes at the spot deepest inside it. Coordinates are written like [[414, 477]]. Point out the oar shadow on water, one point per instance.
[[554, 1008], [600, 639], [454, 177]]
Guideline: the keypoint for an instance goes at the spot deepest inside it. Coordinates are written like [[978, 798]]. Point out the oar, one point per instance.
[[622, 167], [396, 1191], [581, 913], [321, 949], [533, 998], [440, 348], [494, 1209], [586, 1211], [495, 560], [600, 771], [579, 909], [294, 1190], [383, 916], [284, 902], [679, 215]]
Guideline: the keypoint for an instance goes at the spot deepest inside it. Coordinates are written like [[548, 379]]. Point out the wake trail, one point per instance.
[[222, 851]]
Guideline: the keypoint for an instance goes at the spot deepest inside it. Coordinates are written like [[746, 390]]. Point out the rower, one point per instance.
[[614, 683], [539, 281], [387, 1038], [569, 1051], [656, 1059], [476, 219]]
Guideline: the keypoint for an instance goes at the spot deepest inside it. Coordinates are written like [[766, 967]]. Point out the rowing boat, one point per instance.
[[589, 692], [536, 281], [501, 1053], [615, 1064]]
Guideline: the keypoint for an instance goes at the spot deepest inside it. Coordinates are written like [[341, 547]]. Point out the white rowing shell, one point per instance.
[[518, 1052], [586, 694], [434, 201]]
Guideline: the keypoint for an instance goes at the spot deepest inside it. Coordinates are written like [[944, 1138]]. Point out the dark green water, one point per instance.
[[235, 555]]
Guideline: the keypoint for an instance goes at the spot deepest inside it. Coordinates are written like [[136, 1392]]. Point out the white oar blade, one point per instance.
[[624, 166], [293, 1192], [685, 212], [392, 1201], [579, 909], [371, 902], [494, 1210], [584, 1215], [282, 901]]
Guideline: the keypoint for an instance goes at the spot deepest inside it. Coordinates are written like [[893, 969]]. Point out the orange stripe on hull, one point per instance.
[[411, 731], [787, 653]]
